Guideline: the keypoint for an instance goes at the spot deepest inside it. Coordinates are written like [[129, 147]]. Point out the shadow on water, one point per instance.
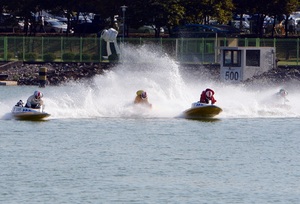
[[206, 120]]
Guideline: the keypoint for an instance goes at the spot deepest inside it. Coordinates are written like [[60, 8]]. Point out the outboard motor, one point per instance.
[[20, 103]]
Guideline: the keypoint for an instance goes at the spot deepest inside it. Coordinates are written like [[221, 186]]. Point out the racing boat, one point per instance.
[[201, 110], [24, 113]]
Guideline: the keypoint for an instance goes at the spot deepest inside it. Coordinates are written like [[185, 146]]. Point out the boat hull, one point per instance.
[[200, 110], [23, 113]]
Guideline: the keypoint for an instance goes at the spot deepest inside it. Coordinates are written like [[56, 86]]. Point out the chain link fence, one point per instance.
[[184, 50]]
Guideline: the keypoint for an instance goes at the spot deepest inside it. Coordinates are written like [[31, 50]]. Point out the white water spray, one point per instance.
[[168, 87]]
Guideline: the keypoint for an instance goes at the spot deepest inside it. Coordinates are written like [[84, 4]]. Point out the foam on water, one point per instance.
[[168, 87]]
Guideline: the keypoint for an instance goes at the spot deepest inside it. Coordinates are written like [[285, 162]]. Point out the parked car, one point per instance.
[[148, 29], [200, 31], [8, 23], [55, 26], [245, 25]]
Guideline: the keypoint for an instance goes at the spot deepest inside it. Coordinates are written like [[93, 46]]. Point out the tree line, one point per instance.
[[167, 13]]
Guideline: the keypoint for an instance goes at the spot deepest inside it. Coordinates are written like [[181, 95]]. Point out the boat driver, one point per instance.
[[282, 94], [35, 100], [207, 95], [142, 98]]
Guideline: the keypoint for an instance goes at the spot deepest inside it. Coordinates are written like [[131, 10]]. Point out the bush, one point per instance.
[[68, 56], [10, 55], [30, 56], [20, 56], [95, 57], [49, 57], [85, 57]]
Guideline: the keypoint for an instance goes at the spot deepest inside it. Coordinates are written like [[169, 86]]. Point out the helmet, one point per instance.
[[209, 94], [144, 95], [38, 94], [139, 92], [283, 92]]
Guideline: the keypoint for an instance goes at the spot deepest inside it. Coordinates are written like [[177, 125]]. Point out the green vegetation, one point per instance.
[[68, 57], [49, 57], [31, 56], [167, 13]]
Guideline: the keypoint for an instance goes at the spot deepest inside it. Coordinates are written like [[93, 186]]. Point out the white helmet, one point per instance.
[[144, 95], [38, 94], [283, 92], [209, 94]]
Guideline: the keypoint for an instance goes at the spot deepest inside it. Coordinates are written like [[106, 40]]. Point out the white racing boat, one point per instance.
[[20, 112], [201, 110]]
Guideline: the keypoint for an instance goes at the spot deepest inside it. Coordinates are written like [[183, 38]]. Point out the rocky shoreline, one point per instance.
[[58, 73]]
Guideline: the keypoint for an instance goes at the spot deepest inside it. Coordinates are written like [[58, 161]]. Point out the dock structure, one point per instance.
[[3, 77], [8, 83]]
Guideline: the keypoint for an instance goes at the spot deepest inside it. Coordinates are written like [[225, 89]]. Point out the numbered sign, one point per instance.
[[232, 75]]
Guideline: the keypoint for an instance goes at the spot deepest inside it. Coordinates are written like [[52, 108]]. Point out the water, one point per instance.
[[98, 148]]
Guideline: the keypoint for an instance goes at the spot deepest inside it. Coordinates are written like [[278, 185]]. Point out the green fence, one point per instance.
[[184, 50]]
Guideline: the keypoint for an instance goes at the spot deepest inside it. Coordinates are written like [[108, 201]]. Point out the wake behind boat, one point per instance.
[[201, 110], [24, 113]]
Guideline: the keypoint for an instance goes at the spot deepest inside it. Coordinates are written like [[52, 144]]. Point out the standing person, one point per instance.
[[35, 100], [207, 95], [42, 24], [142, 98]]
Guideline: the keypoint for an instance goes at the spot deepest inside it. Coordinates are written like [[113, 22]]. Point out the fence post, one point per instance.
[[80, 50], [100, 50], [5, 48], [257, 42], [42, 48], [203, 50], [246, 42], [297, 51], [61, 48]]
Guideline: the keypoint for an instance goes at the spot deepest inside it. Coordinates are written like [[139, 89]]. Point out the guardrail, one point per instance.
[[184, 50]]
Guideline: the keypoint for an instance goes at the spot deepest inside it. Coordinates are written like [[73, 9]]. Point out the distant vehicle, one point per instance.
[[245, 25], [297, 25], [85, 26], [8, 23], [204, 31], [55, 26], [148, 29]]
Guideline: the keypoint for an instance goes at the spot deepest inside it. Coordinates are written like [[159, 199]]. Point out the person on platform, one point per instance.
[[207, 95], [35, 100], [142, 98]]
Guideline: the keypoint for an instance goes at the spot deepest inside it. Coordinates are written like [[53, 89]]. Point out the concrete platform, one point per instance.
[[8, 83]]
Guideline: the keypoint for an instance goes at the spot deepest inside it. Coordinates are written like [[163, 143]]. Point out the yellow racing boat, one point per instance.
[[201, 110], [23, 113]]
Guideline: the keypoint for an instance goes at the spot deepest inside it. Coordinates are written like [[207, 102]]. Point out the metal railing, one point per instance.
[[184, 50]]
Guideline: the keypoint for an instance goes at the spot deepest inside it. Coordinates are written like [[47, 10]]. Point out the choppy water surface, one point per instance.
[[98, 148]]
